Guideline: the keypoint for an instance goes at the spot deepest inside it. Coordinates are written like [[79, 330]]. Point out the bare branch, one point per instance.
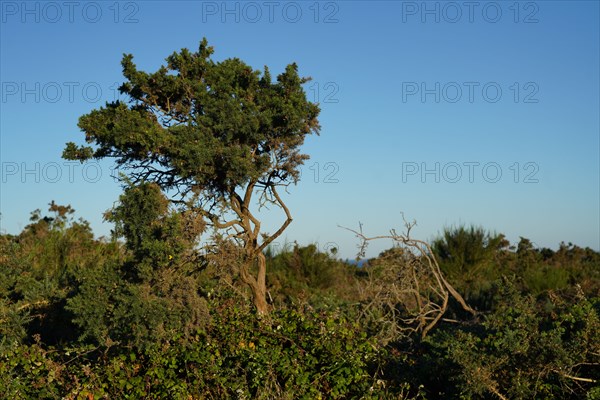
[[411, 277], [575, 378], [288, 221]]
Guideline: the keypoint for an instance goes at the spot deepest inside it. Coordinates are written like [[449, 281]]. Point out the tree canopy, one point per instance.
[[216, 133], [205, 125]]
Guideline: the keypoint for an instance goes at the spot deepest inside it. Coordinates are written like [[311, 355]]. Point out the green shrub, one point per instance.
[[520, 352]]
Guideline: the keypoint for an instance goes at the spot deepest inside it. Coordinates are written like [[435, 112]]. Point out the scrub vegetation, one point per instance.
[[189, 300]]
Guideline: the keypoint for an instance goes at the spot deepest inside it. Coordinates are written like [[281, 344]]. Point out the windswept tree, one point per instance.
[[216, 133]]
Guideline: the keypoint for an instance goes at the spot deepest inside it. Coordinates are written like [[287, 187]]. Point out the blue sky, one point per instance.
[[453, 115]]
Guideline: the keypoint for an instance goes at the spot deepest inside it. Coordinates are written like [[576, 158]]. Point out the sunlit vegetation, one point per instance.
[[189, 299], [152, 317]]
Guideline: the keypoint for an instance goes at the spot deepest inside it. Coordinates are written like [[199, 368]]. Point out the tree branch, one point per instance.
[[288, 221]]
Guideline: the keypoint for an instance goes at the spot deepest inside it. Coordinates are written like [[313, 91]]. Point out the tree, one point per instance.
[[217, 133]]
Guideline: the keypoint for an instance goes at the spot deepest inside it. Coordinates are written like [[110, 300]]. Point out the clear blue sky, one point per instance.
[[404, 86]]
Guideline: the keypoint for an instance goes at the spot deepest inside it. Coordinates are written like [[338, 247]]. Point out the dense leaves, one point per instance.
[[76, 322], [197, 123]]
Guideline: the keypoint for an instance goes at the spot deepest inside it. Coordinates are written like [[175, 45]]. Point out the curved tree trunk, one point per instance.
[[257, 285]]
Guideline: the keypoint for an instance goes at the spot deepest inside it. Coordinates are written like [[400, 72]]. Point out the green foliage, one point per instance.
[[294, 355], [93, 304], [150, 297], [39, 270], [304, 355], [82, 318], [468, 258], [541, 278], [28, 372], [157, 237], [462, 250], [521, 353], [472, 260], [303, 273], [200, 124]]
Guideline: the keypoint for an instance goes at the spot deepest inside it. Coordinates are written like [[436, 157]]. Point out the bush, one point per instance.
[[293, 354], [520, 352]]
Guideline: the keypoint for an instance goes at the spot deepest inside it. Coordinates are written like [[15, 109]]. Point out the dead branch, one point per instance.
[[409, 277]]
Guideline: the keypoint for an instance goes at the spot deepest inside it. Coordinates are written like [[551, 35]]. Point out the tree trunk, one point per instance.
[[260, 302], [260, 297], [257, 285]]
